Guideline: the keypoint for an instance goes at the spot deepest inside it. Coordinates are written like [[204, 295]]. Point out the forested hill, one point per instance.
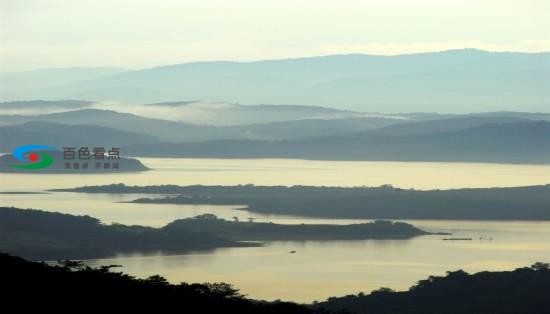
[[524, 290]]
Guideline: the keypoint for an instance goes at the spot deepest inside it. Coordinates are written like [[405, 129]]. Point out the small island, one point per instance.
[[267, 231]]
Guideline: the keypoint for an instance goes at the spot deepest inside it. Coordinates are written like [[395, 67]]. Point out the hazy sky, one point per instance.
[[140, 33]]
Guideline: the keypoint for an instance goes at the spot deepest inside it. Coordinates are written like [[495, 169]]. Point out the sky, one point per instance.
[[141, 33]]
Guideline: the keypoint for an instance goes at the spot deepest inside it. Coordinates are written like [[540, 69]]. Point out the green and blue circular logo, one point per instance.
[[37, 160]]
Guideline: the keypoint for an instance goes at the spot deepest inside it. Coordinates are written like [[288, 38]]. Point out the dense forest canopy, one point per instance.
[[524, 290]]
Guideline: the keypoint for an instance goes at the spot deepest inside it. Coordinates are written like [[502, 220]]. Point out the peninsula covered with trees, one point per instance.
[[41, 235], [383, 202]]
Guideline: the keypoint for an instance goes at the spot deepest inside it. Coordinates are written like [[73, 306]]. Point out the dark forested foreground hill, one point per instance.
[[58, 287], [524, 290], [43, 235], [385, 202]]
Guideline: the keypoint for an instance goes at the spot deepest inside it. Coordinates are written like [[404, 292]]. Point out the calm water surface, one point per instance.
[[318, 269]]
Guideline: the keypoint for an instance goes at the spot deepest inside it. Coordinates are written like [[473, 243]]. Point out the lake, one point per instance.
[[317, 269]]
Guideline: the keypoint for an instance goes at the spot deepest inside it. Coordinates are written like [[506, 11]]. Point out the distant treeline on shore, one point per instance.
[[384, 202]]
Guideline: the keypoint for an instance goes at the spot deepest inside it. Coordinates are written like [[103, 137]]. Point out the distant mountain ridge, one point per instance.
[[167, 130], [486, 137], [465, 80], [520, 142], [59, 135], [41, 104]]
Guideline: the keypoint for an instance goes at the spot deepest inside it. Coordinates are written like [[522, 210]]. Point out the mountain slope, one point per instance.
[[60, 135], [443, 125], [167, 130], [521, 142], [41, 104], [39, 84], [163, 129]]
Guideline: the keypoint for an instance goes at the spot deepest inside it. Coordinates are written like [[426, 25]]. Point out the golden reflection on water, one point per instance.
[[418, 175]]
